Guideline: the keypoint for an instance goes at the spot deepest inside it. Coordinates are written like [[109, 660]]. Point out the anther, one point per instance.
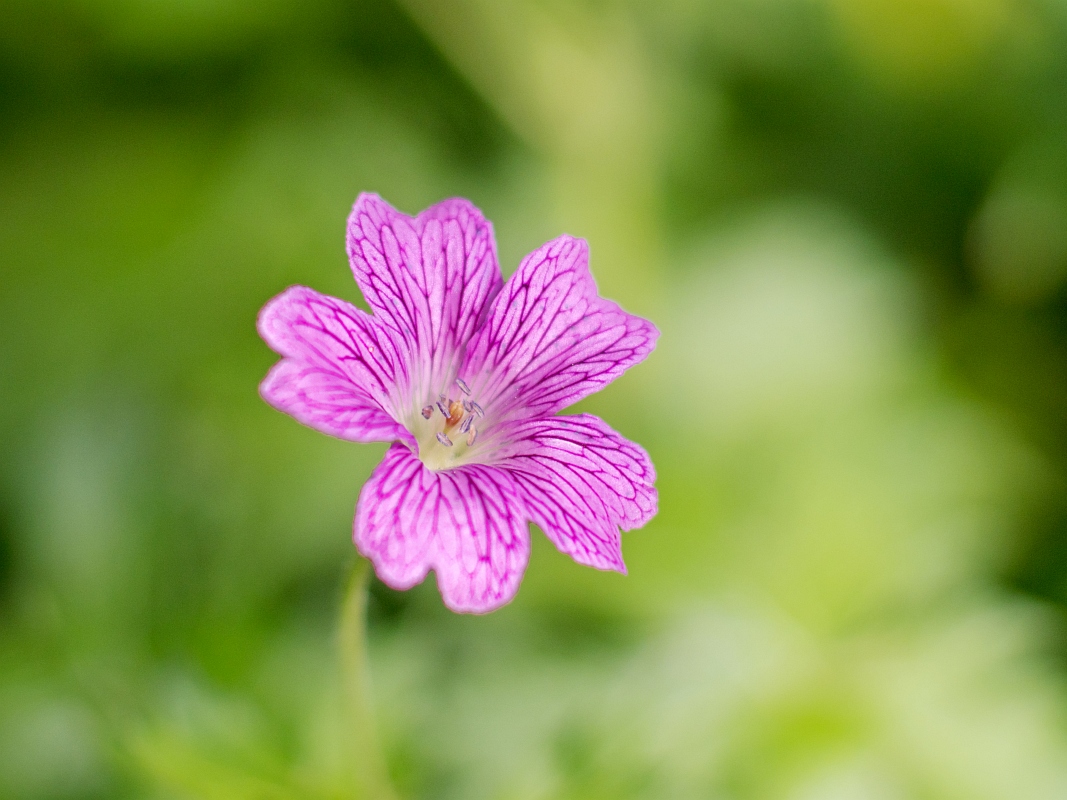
[[427, 412], [445, 440], [471, 436], [442, 408], [478, 408], [463, 385], [466, 424], [467, 406]]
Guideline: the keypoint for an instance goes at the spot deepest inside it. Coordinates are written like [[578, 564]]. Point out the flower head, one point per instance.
[[465, 374]]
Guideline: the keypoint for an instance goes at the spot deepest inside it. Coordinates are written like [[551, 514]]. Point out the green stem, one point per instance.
[[370, 779]]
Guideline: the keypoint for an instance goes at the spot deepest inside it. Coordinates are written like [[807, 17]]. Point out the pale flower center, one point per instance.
[[447, 429]]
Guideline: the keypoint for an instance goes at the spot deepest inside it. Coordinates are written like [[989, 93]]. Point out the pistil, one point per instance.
[[442, 446], [454, 415]]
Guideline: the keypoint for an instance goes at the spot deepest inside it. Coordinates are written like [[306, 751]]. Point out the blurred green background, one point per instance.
[[849, 220]]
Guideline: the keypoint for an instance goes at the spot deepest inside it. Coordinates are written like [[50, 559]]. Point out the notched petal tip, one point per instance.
[[337, 366], [453, 208], [269, 387], [371, 201], [463, 605], [604, 565], [582, 483], [429, 279], [650, 330], [577, 244], [468, 525], [274, 319], [550, 339]]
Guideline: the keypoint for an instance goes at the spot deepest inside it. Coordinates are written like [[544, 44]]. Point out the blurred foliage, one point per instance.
[[849, 218]]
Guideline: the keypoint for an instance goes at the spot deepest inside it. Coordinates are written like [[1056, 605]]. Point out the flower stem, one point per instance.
[[370, 779]]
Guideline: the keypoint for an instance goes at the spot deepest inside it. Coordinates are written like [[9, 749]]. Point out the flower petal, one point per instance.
[[550, 340], [467, 524], [430, 279], [340, 367], [581, 481]]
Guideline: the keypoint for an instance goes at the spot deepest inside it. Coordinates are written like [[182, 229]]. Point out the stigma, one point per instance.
[[455, 414]]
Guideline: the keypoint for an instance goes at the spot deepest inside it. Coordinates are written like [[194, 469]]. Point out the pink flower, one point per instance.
[[464, 374]]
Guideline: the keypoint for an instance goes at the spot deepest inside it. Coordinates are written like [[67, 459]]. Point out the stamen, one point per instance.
[[471, 436], [445, 440], [467, 406], [463, 385], [441, 407], [466, 424], [427, 412], [477, 408]]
